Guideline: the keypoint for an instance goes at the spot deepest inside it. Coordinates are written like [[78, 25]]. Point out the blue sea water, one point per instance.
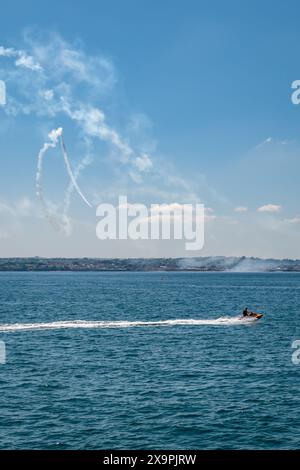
[[227, 385]]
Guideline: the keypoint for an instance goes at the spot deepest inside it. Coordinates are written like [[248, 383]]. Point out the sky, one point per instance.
[[166, 102]]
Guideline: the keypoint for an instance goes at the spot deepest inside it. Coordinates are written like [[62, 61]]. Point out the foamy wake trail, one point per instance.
[[58, 325]]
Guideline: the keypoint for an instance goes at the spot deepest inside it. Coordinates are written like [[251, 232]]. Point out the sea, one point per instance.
[[148, 360]]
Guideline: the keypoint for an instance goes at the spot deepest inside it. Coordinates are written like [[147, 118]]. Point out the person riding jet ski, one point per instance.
[[254, 315], [245, 312]]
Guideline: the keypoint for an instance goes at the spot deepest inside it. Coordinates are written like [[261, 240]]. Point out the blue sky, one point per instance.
[[202, 89]]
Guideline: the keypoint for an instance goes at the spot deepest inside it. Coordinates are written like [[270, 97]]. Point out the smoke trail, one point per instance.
[[67, 199], [53, 136], [229, 321], [70, 172]]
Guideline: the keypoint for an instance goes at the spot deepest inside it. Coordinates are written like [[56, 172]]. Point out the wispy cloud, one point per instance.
[[12, 213], [268, 140], [293, 220], [241, 209], [22, 59], [269, 208], [143, 162], [22, 207], [271, 140]]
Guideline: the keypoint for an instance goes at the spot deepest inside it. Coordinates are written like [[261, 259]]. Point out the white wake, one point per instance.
[[57, 325]]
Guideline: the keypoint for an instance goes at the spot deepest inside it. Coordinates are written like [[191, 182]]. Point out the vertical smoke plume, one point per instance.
[[53, 136]]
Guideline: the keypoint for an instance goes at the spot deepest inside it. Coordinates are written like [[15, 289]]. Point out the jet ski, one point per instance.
[[254, 315]]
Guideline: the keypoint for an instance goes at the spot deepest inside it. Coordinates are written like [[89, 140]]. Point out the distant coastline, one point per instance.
[[198, 264]]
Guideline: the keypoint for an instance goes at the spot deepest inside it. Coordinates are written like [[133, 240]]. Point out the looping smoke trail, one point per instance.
[[55, 135]]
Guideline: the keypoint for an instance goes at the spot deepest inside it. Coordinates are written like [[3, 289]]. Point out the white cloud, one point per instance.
[[210, 217], [12, 215], [269, 208], [241, 209], [20, 208], [27, 62], [173, 207], [67, 63], [6, 208], [48, 94], [136, 177], [293, 220], [143, 162], [268, 140], [24, 206], [22, 59]]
